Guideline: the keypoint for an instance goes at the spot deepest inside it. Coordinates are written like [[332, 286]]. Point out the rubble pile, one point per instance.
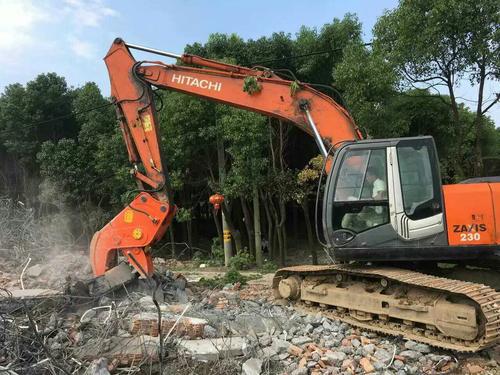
[[51, 270], [195, 330], [289, 341]]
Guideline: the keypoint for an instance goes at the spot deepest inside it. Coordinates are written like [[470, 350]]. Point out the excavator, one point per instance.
[[386, 215]]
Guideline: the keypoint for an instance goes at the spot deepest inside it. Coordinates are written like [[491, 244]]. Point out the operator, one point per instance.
[[370, 215], [379, 187], [375, 215]]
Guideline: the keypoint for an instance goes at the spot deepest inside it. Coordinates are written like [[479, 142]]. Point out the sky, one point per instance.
[[70, 37]]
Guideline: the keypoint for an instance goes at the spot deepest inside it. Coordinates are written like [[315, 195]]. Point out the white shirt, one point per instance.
[[378, 186]]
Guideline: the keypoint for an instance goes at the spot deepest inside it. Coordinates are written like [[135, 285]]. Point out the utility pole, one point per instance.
[[221, 161], [228, 248]]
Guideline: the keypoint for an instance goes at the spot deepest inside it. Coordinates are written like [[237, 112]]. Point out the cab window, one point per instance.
[[360, 200], [419, 177]]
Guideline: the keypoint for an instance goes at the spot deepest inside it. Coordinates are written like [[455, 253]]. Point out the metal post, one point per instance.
[[152, 50], [317, 136], [228, 247]]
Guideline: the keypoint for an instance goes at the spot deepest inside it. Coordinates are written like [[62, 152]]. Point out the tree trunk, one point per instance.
[[172, 240], [256, 224], [189, 229], [282, 209], [235, 233], [478, 122], [278, 223], [226, 216], [218, 225], [295, 222], [269, 220], [248, 226], [458, 126], [310, 238], [282, 226]]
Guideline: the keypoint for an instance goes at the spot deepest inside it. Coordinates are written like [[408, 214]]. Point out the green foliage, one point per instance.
[[92, 166], [440, 44], [251, 85], [230, 277], [294, 87], [307, 178], [268, 267], [241, 261], [216, 253], [332, 37], [233, 276], [183, 214], [369, 83], [245, 135], [25, 113], [421, 36]]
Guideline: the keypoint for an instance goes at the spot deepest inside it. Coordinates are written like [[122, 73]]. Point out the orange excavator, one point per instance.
[[385, 212]]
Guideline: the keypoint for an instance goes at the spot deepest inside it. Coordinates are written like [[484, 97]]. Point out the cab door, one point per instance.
[[417, 198], [357, 196]]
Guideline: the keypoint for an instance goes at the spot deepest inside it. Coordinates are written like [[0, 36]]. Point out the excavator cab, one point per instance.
[[384, 194]]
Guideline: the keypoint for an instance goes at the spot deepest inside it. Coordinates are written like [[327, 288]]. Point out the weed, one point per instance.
[[230, 277], [241, 261], [268, 267], [251, 85]]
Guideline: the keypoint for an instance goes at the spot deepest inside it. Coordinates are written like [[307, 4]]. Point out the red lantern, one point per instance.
[[216, 200]]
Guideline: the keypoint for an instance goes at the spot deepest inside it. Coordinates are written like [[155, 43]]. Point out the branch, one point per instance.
[[439, 97], [413, 79], [491, 104]]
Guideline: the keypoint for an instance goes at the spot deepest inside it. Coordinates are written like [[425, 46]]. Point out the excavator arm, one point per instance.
[[145, 220]]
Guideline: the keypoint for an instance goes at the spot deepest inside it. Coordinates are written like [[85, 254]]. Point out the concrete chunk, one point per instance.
[[125, 350], [252, 366], [34, 293], [29, 297], [35, 271], [147, 323], [213, 349], [245, 323]]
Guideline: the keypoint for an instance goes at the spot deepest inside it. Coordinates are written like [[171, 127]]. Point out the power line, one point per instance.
[[303, 55], [70, 114]]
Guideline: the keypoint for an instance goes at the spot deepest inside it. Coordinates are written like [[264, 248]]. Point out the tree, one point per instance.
[[439, 44], [368, 84], [29, 116], [246, 134], [381, 106], [187, 135], [307, 180], [330, 41]]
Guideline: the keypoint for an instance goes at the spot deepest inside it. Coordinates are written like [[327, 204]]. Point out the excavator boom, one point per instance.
[[145, 220]]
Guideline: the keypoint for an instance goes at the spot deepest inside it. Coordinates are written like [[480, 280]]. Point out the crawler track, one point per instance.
[[485, 300]]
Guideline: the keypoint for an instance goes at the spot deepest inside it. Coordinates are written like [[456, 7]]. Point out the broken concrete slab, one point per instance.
[[34, 293], [18, 298], [124, 350], [245, 323], [213, 349]]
